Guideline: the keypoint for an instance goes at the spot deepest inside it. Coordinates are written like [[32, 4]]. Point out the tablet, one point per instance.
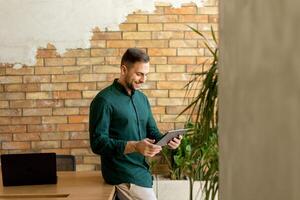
[[170, 135]]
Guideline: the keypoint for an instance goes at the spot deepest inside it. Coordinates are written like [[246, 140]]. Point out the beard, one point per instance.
[[129, 84]]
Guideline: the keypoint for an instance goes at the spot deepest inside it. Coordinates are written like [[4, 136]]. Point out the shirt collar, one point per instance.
[[121, 88]]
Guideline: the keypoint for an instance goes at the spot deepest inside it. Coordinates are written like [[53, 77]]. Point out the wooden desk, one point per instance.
[[70, 186]]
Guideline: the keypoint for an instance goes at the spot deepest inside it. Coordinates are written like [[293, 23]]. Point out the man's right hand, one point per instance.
[[144, 147]]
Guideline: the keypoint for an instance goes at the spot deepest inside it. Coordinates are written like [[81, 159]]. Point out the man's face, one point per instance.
[[136, 75]]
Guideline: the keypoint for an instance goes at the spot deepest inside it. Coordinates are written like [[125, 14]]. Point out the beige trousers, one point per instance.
[[129, 191]]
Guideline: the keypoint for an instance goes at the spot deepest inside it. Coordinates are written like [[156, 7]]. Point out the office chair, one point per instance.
[[65, 163]]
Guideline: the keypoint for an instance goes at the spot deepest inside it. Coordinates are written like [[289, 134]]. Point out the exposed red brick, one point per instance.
[[45, 107]]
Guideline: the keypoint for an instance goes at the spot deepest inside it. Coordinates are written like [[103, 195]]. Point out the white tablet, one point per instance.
[[170, 135]]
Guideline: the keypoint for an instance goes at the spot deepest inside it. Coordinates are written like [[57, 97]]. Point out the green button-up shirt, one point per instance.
[[115, 118]]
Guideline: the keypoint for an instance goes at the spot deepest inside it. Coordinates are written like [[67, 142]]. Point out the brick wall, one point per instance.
[[44, 108]]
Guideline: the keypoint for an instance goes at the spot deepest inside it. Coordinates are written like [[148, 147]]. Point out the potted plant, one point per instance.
[[197, 157]]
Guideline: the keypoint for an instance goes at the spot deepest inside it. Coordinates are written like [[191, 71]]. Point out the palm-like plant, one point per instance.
[[204, 110], [197, 156]]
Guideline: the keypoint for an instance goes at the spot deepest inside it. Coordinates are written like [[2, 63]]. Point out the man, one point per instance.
[[123, 130]]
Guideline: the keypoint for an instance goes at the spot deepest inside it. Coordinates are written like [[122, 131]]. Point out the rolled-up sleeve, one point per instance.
[[99, 122]]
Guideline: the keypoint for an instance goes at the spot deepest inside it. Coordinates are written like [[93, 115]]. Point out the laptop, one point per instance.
[[28, 169]]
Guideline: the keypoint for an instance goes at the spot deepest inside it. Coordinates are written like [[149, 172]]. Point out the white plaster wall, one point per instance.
[[29, 24]]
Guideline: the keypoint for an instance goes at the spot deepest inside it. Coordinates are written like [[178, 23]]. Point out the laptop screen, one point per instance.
[[28, 169]]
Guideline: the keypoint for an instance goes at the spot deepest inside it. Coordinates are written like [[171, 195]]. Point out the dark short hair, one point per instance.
[[133, 55]]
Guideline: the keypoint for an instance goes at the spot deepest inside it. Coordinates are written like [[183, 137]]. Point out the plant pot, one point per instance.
[[167, 189]]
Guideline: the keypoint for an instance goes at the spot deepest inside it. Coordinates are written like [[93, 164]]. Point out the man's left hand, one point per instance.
[[175, 142]]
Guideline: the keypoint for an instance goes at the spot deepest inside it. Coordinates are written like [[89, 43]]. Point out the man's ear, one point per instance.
[[123, 69]]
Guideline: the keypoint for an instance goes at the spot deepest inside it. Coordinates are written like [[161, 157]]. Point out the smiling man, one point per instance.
[[123, 130]]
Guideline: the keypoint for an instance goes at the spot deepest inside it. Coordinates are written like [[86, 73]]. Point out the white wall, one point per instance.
[[29, 24]]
